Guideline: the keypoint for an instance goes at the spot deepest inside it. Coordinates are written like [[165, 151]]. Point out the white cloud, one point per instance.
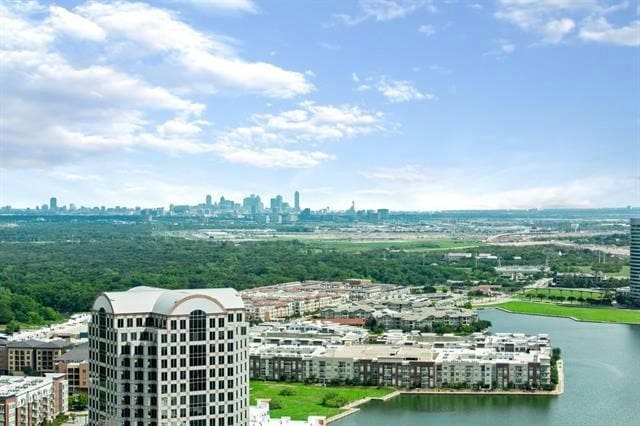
[[355, 78], [505, 48], [277, 140], [247, 6], [397, 91], [404, 174], [554, 31], [18, 33], [87, 110], [440, 69], [329, 46], [205, 57], [181, 126], [384, 10], [427, 30], [601, 31], [508, 47], [80, 111], [69, 23], [414, 186], [555, 20]]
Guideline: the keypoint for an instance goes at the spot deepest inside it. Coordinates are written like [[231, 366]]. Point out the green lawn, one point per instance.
[[307, 399], [627, 316]]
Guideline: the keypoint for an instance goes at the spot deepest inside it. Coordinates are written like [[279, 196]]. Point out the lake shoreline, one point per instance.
[[353, 407], [503, 309]]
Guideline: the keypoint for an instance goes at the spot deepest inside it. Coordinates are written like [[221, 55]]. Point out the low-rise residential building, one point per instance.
[[299, 298], [407, 312], [75, 365], [420, 319], [35, 355], [306, 333], [486, 361], [32, 401]]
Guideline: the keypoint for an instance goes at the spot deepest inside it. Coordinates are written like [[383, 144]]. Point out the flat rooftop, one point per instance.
[[381, 352]]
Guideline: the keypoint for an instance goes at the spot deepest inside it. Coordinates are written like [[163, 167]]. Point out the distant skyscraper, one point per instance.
[[252, 204], [634, 261], [53, 203], [168, 357], [276, 204], [208, 200], [296, 200]]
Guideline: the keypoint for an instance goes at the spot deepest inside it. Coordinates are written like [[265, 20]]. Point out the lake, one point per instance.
[[602, 383]]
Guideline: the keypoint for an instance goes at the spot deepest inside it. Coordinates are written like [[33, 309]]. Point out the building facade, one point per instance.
[[634, 278], [34, 355], [75, 364], [168, 357], [489, 362], [32, 401]]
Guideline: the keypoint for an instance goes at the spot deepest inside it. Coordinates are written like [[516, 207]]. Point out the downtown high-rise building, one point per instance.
[[168, 357], [53, 203], [296, 201], [634, 260]]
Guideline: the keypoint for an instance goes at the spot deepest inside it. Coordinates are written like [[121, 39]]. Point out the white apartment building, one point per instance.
[[500, 361], [168, 358], [32, 401]]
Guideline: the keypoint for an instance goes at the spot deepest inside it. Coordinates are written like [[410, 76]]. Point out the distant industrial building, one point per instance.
[[634, 277], [168, 357]]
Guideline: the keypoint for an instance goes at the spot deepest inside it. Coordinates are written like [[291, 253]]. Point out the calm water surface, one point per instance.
[[602, 383]]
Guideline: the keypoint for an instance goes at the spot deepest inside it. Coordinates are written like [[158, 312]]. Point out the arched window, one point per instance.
[[197, 326]]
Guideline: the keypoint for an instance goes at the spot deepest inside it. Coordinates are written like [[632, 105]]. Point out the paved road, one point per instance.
[[541, 283], [81, 419]]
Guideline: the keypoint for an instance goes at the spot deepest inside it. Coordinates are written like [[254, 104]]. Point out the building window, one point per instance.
[[197, 355], [197, 380], [197, 326]]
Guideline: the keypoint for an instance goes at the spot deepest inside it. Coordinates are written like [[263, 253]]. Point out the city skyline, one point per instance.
[[407, 105]]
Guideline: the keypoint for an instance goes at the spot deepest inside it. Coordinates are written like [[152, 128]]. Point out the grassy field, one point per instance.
[[624, 272], [306, 400], [626, 316], [406, 245], [595, 294]]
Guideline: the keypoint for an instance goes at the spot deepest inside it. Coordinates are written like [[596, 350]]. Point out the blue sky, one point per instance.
[[411, 105]]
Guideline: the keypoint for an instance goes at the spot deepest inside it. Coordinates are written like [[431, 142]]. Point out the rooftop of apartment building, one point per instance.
[[17, 385], [78, 354], [479, 347], [39, 344]]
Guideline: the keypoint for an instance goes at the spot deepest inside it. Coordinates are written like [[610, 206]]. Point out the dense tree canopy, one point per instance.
[[61, 266]]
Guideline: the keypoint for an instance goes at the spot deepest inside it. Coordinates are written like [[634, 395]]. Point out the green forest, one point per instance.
[[52, 268]]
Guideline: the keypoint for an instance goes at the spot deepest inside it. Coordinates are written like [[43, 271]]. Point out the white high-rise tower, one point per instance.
[[634, 260], [168, 357]]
